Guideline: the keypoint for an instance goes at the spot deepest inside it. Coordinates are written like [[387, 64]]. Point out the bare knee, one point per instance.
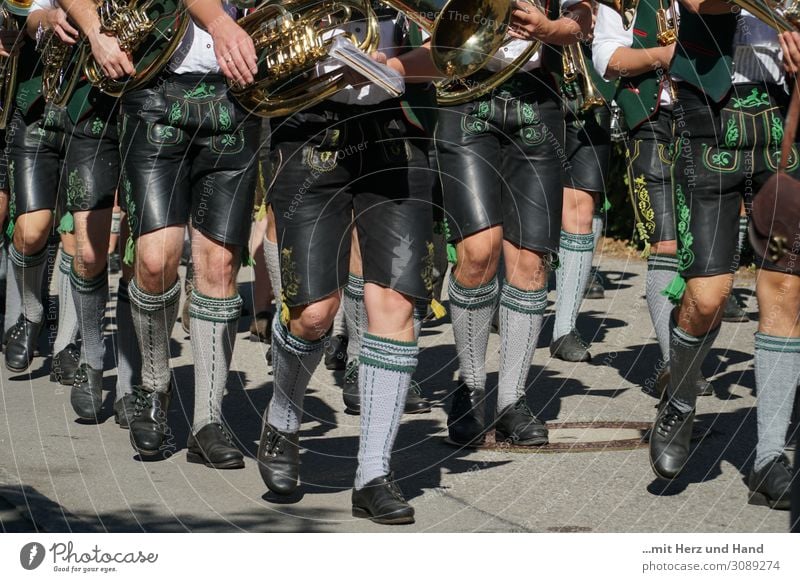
[[31, 232], [311, 322], [664, 247], [215, 271], [156, 267], [478, 256], [89, 262]]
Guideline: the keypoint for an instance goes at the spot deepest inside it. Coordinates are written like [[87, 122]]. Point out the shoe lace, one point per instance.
[[141, 399], [18, 329], [81, 375], [223, 429], [522, 407], [669, 420], [415, 388], [580, 340], [394, 489], [73, 352], [274, 443], [351, 372]]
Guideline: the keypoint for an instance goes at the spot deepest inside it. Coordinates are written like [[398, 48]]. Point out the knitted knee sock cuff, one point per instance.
[[215, 309], [771, 343], [581, 243], [296, 346], [81, 285], [475, 298], [19, 260], [683, 338], [65, 263], [381, 352], [516, 299], [355, 286], [146, 302], [657, 262]]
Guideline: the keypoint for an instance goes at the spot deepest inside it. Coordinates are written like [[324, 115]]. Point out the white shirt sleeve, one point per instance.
[[609, 35]]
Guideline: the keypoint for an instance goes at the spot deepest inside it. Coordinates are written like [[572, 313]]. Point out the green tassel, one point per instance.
[[247, 260], [674, 291], [10, 230], [130, 251], [606, 204], [452, 257], [67, 223]]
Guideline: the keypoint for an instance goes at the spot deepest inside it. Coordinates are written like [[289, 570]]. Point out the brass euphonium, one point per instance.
[[291, 38], [148, 30], [577, 80], [8, 73], [60, 68], [783, 16]]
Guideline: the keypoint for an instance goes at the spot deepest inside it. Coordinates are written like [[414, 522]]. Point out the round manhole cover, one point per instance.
[[581, 437]]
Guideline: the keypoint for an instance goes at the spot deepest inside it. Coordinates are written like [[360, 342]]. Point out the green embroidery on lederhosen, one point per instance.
[[717, 160], [772, 152], [202, 91], [732, 133], [12, 200], [175, 113], [429, 267], [477, 121], [289, 277], [647, 225], [776, 130], [531, 131], [225, 121], [76, 192], [685, 237], [631, 153], [753, 100], [97, 126]]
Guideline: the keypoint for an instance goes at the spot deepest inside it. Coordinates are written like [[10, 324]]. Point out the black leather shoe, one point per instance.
[[213, 447], [124, 410], [350, 394], [382, 501], [21, 343], [415, 402], [517, 425], [570, 348], [465, 421], [772, 485], [148, 428], [336, 353], [64, 365], [734, 313], [279, 460], [670, 440], [594, 287], [704, 387], [86, 395]]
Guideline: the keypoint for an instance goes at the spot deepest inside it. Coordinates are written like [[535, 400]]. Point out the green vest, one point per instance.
[[638, 96], [704, 53]]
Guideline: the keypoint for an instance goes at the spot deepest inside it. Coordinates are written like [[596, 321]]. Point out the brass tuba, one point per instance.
[[8, 73], [291, 38], [149, 30]]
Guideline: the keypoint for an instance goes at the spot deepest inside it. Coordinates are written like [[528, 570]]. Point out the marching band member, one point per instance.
[[501, 161], [190, 152], [728, 128]]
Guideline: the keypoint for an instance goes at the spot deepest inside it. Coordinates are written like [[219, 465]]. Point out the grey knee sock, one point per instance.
[[129, 360], [90, 296], [741, 239], [597, 229], [777, 363], [471, 311], [154, 317], [293, 363], [574, 267], [68, 325], [29, 273], [213, 322], [687, 353], [661, 270], [13, 299], [272, 258], [355, 315], [521, 313], [384, 376], [339, 324]]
